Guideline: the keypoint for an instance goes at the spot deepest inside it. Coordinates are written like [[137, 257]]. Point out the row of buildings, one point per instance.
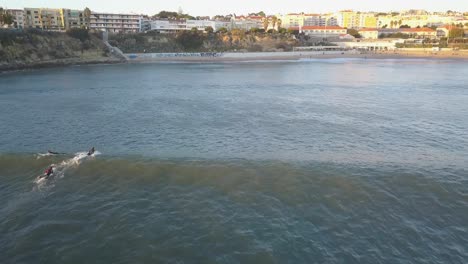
[[369, 24], [63, 19]]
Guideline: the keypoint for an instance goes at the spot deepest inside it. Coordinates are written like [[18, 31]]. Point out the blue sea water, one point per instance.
[[316, 161]]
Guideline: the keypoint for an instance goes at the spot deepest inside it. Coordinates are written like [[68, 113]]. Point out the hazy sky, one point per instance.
[[212, 7]]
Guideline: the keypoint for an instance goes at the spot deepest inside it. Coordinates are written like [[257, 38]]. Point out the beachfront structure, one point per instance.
[[369, 33], [115, 23], [18, 17], [321, 32]]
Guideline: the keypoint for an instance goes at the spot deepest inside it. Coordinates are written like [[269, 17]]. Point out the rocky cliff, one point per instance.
[[198, 42], [36, 48]]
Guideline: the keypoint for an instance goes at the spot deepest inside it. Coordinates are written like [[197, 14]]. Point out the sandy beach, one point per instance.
[[261, 56]]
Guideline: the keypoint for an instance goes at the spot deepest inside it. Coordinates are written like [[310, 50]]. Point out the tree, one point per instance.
[[190, 40], [405, 26], [254, 30], [353, 33], [400, 22], [274, 19], [209, 30], [266, 23], [282, 30], [280, 22], [87, 16], [194, 29], [391, 24], [223, 30], [261, 13], [456, 33]]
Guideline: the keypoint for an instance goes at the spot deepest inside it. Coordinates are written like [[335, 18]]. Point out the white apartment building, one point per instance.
[[171, 26], [322, 32], [319, 20], [115, 23]]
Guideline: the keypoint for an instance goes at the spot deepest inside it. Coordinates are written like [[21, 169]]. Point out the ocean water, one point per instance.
[[316, 161]]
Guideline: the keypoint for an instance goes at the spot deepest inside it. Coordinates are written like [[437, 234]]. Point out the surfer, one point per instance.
[[48, 172], [52, 152], [91, 151]]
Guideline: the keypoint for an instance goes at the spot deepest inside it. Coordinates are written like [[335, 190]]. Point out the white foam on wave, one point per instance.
[[60, 169]]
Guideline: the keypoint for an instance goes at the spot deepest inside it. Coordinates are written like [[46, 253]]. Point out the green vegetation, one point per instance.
[[78, 33], [405, 26], [353, 33], [5, 17], [209, 30], [456, 33], [173, 15], [190, 40], [197, 41], [35, 47]]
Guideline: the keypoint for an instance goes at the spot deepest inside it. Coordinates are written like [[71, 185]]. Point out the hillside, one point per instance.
[[36, 48], [190, 41]]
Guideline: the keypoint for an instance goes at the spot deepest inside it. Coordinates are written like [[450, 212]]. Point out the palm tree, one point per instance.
[[280, 22], [274, 20], [266, 23], [87, 16], [391, 24]]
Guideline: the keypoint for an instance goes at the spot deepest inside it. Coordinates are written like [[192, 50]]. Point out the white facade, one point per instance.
[[169, 26], [323, 32], [115, 23]]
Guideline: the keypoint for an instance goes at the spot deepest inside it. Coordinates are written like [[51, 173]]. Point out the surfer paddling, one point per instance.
[[49, 171], [91, 151], [52, 152]]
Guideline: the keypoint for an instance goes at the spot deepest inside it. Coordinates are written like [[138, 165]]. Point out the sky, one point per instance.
[[238, 7]]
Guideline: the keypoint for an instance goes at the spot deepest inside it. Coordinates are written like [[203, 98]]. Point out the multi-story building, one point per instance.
[[369, 33], [54, 19], [247, 22], [115, 23], [73, 19], [412, 32], [292, 20], [348, 19], [319, 20], [367, 20], [18, 17], [321, 32], [43, 18], [172, 25]]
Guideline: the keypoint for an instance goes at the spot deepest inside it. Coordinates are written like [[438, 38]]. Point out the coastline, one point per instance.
[[461, 55], [5, 68], [292, 56]]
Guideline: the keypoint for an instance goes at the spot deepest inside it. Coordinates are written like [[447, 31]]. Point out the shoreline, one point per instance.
[[291, 56], [240, 57]]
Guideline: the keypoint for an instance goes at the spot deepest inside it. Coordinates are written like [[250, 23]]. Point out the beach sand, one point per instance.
[[270, 56]]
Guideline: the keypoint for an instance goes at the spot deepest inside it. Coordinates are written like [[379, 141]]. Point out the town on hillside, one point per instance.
[[411, 27]]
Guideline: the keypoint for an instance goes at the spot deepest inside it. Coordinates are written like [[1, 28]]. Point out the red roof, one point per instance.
[[417, 30], [321, 27]]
